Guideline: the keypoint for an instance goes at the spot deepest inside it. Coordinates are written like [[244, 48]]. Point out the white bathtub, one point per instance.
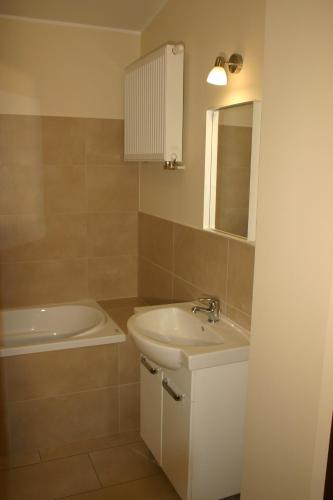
[[55, 327]]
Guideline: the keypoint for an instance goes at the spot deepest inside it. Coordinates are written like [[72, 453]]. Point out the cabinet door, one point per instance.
[[176, 437], [151, 406]]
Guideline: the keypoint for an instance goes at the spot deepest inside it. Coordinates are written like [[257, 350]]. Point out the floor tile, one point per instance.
[[48, 481], [124, 463], [89, 445], [19, 459], [151, 488]]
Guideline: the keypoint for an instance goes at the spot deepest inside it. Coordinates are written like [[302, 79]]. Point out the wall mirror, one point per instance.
[[231, 169]]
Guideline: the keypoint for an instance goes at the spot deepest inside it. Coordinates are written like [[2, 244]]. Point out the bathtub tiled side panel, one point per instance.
[[59, 397], [68, 211], [55, 421], [57, 373]]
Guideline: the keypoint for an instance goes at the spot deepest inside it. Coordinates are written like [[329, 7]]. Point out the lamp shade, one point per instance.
[[217, 76]]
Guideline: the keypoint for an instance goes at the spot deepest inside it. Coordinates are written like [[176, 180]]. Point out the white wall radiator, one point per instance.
[[154, 107]]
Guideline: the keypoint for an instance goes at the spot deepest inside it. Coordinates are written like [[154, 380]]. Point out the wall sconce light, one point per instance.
[[218, 75]]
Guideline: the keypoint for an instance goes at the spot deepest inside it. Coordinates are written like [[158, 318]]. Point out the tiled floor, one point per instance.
[[116, 468]]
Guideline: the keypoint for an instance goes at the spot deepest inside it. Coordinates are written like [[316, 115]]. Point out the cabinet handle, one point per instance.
[[173, 394], [148, 366]]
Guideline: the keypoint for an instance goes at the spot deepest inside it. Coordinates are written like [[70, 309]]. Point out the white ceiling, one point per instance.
[[132, 15]]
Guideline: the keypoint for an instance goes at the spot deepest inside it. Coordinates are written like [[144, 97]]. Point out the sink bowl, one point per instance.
[[174, 326], [172, 336], [161, 333]]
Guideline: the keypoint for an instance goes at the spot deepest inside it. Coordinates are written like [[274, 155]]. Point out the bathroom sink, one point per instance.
[[172, 325], [172, 336]]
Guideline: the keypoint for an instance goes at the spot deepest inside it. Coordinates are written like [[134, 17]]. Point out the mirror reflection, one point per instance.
[[233, 168]]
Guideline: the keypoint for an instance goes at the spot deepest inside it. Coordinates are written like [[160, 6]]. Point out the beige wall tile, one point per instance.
[[240, 276], [20, 140], [64, 189], [112, 234], [155, 285], [36, 237], [121, 309], [50, 480], [42, 282], [56, 373], [41, 194], [124, 463], [4, 433], [104, 141], [4, 429], [201, 262], [129, 302], [129, 407], [89, 445], [54, 421], [113, 188], [63, 140], [120, 315], [110, 277], [239, 317], [184, 291], [201, 259], [200, 269], [21, 190], [128, 362], [156, 240]]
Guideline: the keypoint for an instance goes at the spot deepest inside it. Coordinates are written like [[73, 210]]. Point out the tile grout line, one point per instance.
[[156, 265], [95, 470], [71, 455], [103, 388], [23, 466], [117, 354], [40, 456], [173, 275], [160, 472], [65, 259], [70, 212], [85, 190], [227, 277], [118, 422]]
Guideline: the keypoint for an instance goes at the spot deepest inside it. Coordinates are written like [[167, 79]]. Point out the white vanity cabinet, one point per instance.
[[193, 422], [151, 407]]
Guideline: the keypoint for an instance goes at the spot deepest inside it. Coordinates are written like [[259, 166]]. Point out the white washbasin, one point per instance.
[[172, 325], [173, 336]]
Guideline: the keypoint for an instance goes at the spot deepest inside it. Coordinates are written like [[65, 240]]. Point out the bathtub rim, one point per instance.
[[109, 333]]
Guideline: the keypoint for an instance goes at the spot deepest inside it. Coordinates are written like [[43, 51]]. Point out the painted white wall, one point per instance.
[[207, 29], [289, 404], [124, 14], [63, 70]]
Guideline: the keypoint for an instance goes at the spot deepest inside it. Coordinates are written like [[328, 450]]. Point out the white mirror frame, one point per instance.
[[211, 170]]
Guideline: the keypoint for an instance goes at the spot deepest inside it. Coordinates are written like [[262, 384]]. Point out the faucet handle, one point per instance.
[[212, 302], [204, 300]]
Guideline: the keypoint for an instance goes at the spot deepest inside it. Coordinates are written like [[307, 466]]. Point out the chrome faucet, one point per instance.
[[213, 308]]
